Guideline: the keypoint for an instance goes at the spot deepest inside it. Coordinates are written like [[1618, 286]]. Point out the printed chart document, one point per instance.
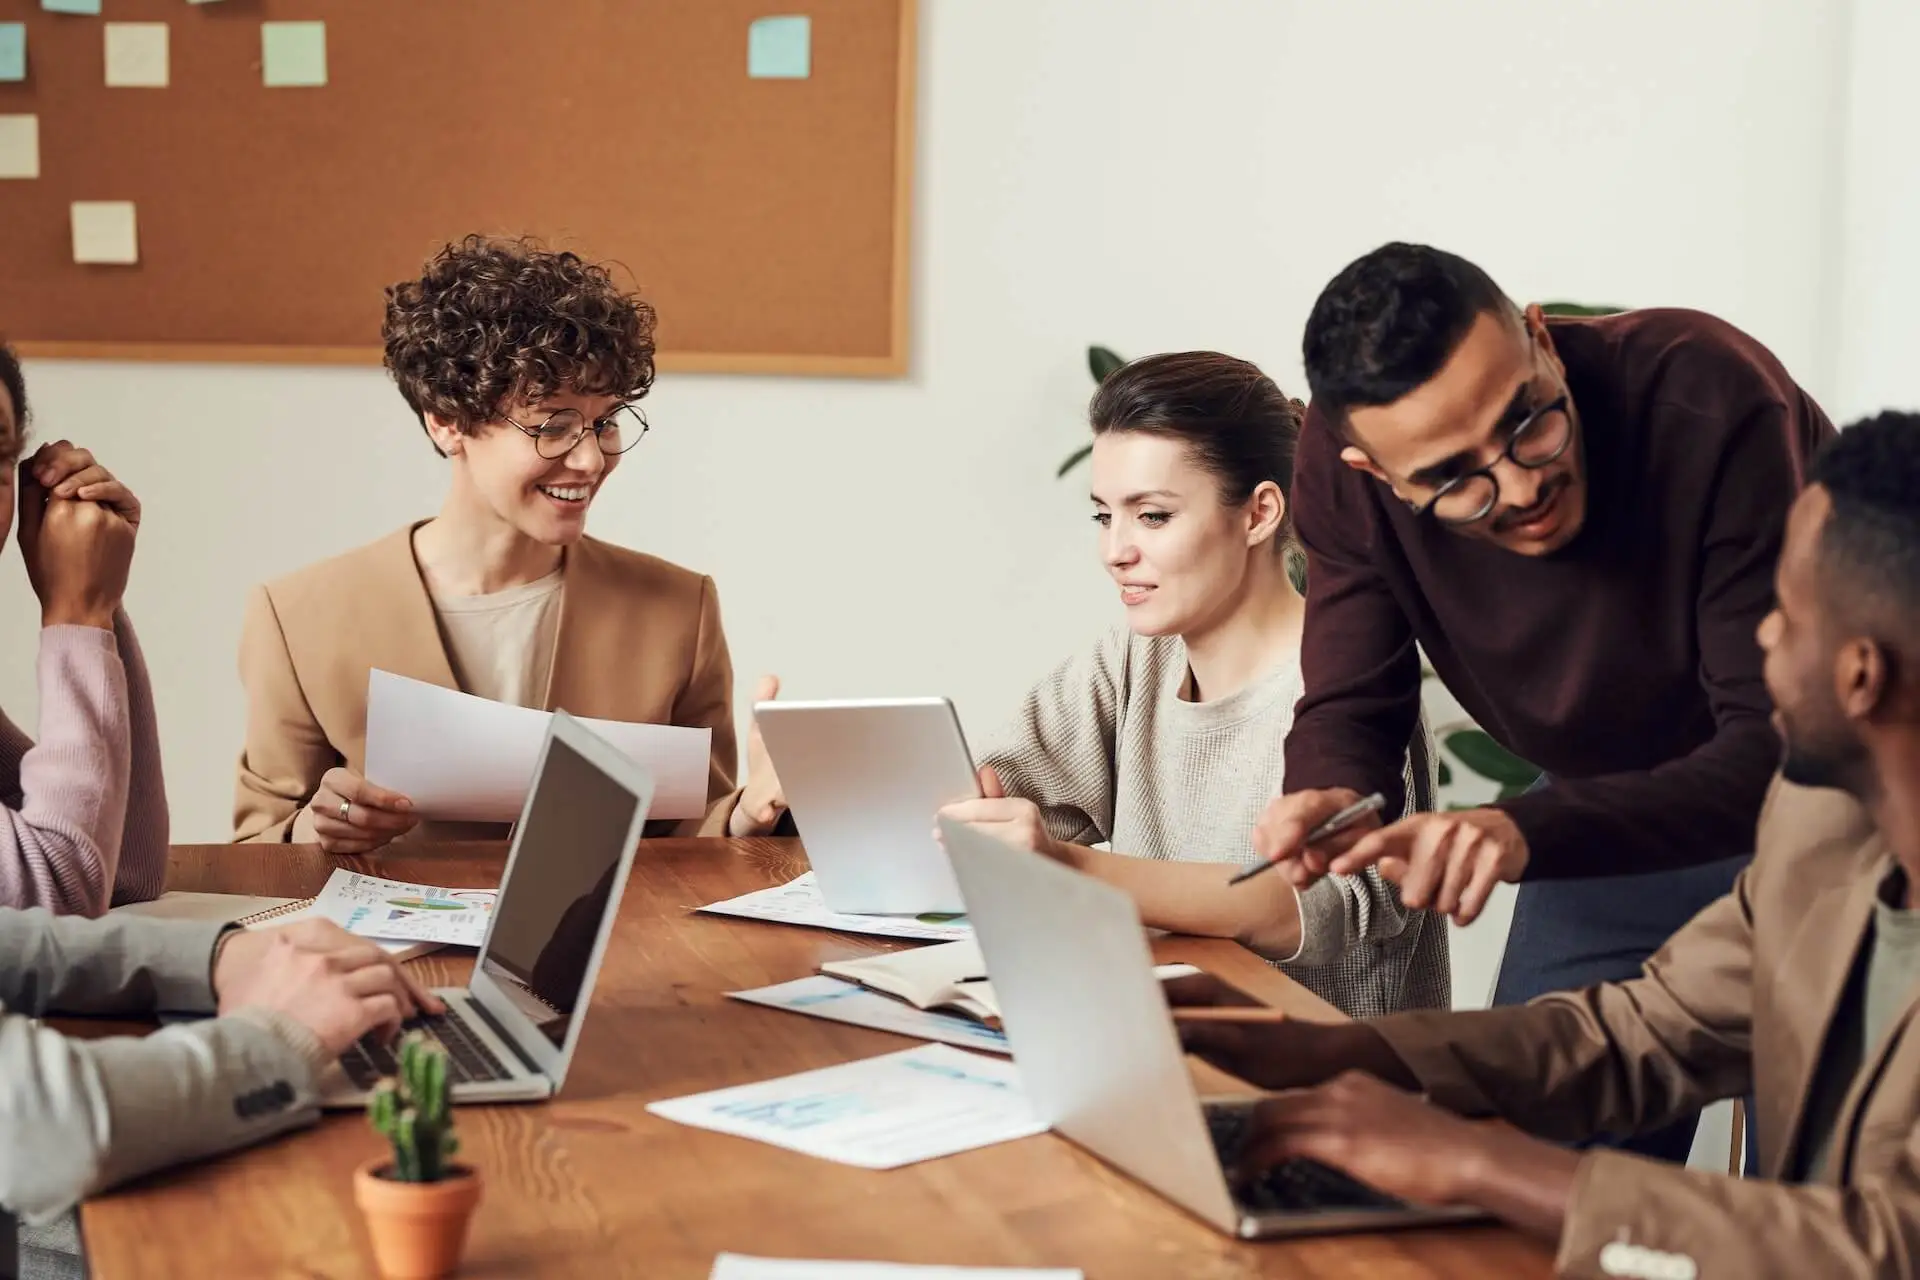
[[827, 997], [395, 911], [798, 901], [878, 1113], [465, 759], [739, 1266]]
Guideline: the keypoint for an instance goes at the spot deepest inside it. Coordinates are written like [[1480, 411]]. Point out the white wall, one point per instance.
[[1150, 174], [1879, 329]]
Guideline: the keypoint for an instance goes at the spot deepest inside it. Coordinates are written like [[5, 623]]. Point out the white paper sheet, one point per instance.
[[878, 1113], [465, 759], [798, 901], [828, 997], [739, 1266], [398, 911]]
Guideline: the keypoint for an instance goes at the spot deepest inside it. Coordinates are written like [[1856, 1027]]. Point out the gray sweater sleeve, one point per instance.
[[1059, 749], [1339, 913], [77, 1116]]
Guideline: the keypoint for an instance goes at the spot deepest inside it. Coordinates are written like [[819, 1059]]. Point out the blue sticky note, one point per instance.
[[293, 54], [780, 48], [13, 51], [71, 6]]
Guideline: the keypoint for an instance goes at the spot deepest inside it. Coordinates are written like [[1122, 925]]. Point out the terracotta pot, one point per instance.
[[419, 1229]]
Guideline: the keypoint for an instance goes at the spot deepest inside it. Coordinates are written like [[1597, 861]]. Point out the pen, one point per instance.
[[1331, 827]]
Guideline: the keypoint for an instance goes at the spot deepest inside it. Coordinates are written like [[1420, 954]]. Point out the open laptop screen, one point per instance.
[[556, 891]]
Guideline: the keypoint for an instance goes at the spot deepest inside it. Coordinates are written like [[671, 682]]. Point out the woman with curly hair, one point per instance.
[[526, 369]]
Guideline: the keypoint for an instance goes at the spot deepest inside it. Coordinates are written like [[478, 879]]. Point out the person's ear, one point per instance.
[[1358, 458], [1541, 338], [1862, 678], [1266, 513], [446, 435]]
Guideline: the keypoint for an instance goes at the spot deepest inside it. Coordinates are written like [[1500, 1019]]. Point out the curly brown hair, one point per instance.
[[491, 321]]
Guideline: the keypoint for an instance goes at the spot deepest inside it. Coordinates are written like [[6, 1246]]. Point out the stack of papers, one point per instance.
[[737, 1266], [879, 1113], [798, 901]]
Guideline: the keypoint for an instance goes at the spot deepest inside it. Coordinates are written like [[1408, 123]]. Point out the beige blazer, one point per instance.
[[639, 639], [1739, 999]]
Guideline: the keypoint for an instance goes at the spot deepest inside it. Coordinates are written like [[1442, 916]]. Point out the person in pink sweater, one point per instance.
[[83, 811]]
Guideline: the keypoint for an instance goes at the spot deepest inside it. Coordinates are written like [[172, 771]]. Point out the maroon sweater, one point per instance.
[[1625, 665]]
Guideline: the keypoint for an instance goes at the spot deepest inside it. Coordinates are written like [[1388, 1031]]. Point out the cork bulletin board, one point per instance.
[[756, 191]]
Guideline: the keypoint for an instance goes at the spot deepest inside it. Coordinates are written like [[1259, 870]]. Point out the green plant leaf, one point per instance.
[[1480, 753], [1101, 362], [1579, 309], [1446, 773], [1074, 459]]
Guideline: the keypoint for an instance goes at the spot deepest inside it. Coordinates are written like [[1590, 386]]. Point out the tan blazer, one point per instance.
[[1739, 999], [639, 639]]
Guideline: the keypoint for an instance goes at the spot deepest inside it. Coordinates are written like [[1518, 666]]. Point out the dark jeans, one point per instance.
[[1569, 934]]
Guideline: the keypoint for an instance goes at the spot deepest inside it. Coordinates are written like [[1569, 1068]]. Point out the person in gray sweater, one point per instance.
[[78, 1116], [1163, 740]]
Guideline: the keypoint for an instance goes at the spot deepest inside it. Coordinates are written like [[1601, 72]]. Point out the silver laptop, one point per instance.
[[1099, 1058], [511, 1031], [864, 779]]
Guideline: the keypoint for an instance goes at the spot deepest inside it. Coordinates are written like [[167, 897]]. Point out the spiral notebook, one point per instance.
[[302, 908], [403, 919]]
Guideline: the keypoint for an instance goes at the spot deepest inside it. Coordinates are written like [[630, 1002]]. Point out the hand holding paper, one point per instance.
[[459, 758]]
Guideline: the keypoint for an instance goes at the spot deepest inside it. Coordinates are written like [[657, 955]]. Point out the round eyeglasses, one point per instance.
[[616, 433], [1537, 442]]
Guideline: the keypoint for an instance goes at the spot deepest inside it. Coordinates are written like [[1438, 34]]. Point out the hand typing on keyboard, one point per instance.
[[1297, 1144], [313, 972]]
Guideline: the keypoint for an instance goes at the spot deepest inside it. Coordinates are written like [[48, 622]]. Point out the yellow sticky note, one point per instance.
[[105, 231], [137, 55], [19, 146]]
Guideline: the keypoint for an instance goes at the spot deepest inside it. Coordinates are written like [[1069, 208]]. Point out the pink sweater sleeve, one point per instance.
[[143, 847], [60, 830]]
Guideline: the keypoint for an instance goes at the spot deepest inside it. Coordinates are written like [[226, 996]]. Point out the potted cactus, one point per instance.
[[415, 1201]]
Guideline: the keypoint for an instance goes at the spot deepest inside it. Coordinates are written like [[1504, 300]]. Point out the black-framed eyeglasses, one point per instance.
[[616, 433], [1537, 442]]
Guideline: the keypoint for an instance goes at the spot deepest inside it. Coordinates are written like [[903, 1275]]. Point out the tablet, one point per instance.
[[865, 779]]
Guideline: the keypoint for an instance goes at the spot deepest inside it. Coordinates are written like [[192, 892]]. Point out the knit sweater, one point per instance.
[[1112, 754], [83, 811]]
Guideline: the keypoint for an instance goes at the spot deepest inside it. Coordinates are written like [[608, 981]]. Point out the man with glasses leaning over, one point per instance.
[[525, 368], [1577, 520]]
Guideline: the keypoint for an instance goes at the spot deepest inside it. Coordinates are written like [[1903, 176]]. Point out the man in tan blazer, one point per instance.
[[1800, 985], [525, 368]]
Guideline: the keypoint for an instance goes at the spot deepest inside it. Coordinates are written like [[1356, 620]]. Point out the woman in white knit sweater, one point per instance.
[[1163, 740]]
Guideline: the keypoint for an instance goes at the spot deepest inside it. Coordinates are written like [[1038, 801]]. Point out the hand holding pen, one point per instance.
[[1278, 840]]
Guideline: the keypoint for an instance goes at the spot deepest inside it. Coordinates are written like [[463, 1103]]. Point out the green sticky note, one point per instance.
[[13, 51], [71, 6], [293, 54], [780, 48]]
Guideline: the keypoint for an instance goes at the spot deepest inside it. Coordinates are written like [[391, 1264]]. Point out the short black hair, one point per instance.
[[15, 383], [1870, 545], [1388, 321]]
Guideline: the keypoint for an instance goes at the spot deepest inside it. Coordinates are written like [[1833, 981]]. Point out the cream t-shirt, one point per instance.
[[501, 645]]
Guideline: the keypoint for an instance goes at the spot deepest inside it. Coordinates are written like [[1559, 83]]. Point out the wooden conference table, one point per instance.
[[592, 1185]]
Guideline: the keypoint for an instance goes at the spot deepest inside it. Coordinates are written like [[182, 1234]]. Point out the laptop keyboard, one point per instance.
[[1293, 1186], [468, 1058]]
